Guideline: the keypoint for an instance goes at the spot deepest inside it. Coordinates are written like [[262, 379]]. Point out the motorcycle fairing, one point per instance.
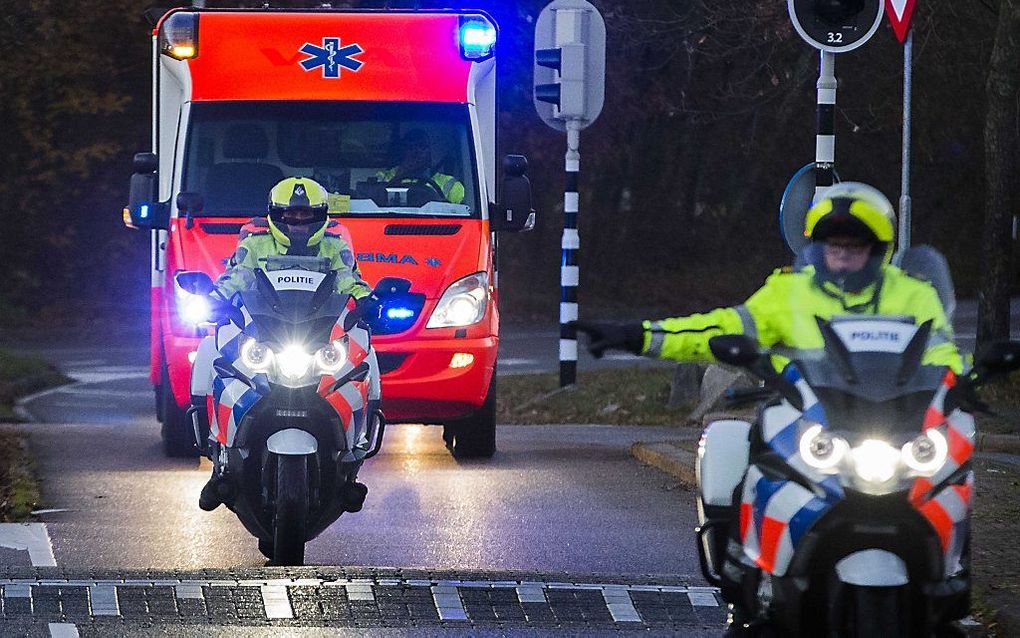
[[948, 511]]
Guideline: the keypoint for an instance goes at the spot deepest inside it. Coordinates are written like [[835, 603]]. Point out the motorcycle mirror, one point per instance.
[[736, 350], [197, 283]]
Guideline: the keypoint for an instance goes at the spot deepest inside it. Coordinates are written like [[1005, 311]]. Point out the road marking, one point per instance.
[[103, 600], [359, 591], [448, 602], [702, 599], [517, 362], [103, 594], [276, 602], [531, 593], [52, 510], [189, 591], [32, 537], [63, 630]]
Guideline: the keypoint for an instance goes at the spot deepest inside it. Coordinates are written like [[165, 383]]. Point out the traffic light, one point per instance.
[[567, 92], [570, 63]]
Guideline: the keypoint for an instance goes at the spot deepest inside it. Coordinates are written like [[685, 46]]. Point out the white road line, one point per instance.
[[531, 593], [189, 590], [276, 602], [17, 591], [103, 600], [448, 602], [517, 362], [32, 537], [359, 591], [63, 630], [702, 599], [621, 607]]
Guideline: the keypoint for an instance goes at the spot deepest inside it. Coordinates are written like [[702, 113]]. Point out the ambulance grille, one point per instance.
[[221, 229], [390, 361], [422, 229]]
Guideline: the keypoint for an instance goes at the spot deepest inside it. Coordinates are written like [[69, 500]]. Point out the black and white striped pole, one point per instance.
[[825, 141], [569, 271], [570, 71]]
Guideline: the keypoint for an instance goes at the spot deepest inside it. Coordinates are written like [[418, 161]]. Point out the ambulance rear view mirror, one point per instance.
[[189, 205], [143, 209], [514, 213]]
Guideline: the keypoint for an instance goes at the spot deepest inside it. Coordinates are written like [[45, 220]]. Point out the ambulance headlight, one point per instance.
[[331, 358], [463, 303], [876, 461], [257, 356], [293, 362], [821, 450], [477, 38], [178, 36], [927, 453]]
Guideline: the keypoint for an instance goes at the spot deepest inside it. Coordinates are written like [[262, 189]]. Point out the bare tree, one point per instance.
[[1003, 90]]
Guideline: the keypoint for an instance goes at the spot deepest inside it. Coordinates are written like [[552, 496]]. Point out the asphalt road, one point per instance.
[[558, 498]]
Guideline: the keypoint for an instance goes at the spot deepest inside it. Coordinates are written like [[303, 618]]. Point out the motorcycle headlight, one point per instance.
[[195, 309], [331, 358], [875, 461], [257, 356], [293, 361], [821, 450], [927, 453], [463, 303]]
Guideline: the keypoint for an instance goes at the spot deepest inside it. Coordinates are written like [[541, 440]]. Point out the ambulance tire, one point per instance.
[[475, 436], [176, 432]]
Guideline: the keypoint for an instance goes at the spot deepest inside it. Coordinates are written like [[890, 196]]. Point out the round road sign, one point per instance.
[[836, 26]]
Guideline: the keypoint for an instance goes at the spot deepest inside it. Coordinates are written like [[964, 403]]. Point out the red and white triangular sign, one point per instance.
[[900, 12]]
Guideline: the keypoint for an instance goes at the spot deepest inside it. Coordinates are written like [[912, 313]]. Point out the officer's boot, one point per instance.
[[352, 495], [210, 499]]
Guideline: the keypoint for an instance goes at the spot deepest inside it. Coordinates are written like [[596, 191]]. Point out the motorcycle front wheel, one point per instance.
[[291, 510], [875, 612]]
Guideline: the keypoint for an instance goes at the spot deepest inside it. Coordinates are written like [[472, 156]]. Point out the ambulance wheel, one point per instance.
[[475, 436], [176, 432]]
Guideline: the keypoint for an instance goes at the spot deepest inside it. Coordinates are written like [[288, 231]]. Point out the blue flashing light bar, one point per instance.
[[143, 212], [477, 38], [399, 313]]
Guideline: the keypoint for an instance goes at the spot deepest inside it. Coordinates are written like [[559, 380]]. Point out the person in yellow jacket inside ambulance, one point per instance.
[[848, 272]]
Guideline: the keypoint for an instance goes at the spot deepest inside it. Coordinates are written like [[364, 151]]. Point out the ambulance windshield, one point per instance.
[[375, 159]]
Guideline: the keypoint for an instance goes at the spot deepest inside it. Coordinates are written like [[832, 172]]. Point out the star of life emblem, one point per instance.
[[332, 56]]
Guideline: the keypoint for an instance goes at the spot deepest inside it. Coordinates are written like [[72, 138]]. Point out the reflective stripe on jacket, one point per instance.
[[451, 189], [781, 317], [240, 273]]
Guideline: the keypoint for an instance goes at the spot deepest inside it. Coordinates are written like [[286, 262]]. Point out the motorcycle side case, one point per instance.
[[720, 466]]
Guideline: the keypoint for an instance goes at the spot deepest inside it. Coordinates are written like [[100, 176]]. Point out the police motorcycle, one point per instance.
[[288, 387], [844, 510]]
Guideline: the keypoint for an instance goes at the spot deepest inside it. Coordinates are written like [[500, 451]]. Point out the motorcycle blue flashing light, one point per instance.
[[477, 38], [399, 313]]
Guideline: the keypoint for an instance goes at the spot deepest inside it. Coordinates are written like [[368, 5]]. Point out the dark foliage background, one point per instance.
[[709, 111]]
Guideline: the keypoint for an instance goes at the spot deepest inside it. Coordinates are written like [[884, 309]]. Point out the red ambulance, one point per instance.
[[394, 112]]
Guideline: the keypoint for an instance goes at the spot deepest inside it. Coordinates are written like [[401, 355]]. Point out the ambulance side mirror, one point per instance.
[[513, 213], [143, 209]]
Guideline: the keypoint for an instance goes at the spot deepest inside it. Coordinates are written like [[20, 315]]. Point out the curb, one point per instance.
[[1008, 443], [669, 458]]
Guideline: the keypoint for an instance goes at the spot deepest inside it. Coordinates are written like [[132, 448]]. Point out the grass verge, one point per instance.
[[1004, 399], [617, 397], [19, 491], [21, 375]]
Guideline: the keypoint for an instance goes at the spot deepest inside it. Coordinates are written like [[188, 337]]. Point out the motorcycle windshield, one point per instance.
[[292, 306], [869, 376]]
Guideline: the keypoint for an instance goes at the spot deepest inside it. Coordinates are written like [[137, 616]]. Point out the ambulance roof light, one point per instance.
[[477, 37], [179, 36]]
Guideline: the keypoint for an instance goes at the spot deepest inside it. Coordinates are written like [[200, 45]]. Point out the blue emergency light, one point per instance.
[[399, 313], [477, 38]]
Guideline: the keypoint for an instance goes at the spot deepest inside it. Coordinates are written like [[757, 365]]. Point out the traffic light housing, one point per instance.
[[570, 63]]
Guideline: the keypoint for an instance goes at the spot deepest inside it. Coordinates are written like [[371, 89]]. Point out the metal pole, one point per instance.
[[825, 142], [905, 201], [569, 272]]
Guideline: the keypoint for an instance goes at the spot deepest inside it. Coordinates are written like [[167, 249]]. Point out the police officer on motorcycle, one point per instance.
[[845, 270], [297, 224]]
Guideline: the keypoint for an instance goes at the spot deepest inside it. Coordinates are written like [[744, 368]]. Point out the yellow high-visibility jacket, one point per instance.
[[781, 317]]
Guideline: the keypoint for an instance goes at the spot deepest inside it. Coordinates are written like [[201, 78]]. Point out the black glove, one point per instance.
[[608, 335]]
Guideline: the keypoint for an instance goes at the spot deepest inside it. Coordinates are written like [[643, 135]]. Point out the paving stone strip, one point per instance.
[[378, 601]]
